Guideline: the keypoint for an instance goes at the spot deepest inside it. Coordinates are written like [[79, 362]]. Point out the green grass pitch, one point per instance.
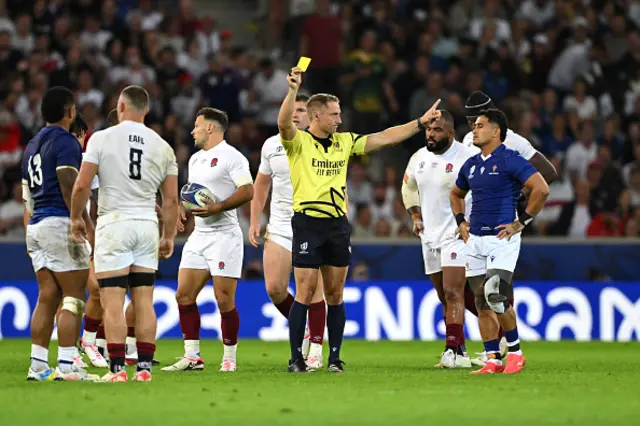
[[386, 383]]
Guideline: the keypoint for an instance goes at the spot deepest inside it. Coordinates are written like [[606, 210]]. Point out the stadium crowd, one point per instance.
[[566, 72]]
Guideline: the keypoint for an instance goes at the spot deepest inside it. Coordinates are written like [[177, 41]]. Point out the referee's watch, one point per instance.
[[525, 219], [420, 125]]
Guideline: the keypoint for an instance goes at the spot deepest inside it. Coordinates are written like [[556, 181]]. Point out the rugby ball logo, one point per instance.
[[194, 195]]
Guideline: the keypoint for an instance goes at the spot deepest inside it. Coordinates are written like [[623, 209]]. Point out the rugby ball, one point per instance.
[[194, 195]]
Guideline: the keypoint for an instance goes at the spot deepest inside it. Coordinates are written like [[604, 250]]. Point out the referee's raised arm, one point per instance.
[[285, 116], [397, 134]]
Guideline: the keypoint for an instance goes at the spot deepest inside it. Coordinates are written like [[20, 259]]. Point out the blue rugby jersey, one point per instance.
[[495, 183]]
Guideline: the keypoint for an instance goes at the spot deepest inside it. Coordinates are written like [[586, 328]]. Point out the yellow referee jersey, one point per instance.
[[318, 170]]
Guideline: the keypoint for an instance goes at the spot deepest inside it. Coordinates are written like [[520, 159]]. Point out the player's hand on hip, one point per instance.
[[254, 234], [510, 229], [166, 248], [432, 114], [418, 228], [78, 231], [211, 209], [294, 78], [463, 231]]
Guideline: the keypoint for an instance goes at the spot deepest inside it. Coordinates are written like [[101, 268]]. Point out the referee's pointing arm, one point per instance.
[[397, 134]]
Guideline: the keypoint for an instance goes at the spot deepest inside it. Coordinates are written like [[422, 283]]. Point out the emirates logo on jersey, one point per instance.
[[214, 162], [221, 265], [448, 168]]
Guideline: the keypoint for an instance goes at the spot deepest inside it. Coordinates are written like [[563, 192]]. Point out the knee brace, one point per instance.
[[498, 290], [73, 305], [477, 286]]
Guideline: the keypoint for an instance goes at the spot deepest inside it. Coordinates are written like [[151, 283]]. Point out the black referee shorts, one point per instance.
[[318, 242]]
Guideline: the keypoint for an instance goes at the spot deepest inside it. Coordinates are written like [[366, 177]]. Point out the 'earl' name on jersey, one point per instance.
[[136, 139]]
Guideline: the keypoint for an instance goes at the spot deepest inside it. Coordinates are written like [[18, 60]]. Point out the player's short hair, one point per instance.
[[497, 117], [112, 118], [477, 102], [447, 117], [55, 103], [319, 100], [302, 98], [137, 96], [216, 115], [79, 126]]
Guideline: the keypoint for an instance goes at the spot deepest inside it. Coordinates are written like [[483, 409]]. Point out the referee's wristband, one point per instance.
[[420, 125], [525, 219], [460, 218]]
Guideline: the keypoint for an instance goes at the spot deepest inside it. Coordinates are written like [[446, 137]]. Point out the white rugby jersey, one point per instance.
[[274, 163], [133, 161], [221, 169], [513, 141], [435, 175]]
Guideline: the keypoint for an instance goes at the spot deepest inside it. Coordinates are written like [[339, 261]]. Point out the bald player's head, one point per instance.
[[112, 118]]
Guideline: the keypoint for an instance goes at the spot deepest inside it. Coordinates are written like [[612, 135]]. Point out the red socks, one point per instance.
[[455, 336], [100, 333], [285, 306], [91, 325], [131, 332], [230, 327], [317, 320], [189, 321]]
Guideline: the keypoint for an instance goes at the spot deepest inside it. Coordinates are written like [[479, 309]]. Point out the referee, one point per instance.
[[318, 161]]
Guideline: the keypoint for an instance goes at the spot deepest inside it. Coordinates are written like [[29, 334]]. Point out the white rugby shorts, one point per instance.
[[51, 246], [125, 243], [488, 252], [219, 252], [280, 234], [452, 254]]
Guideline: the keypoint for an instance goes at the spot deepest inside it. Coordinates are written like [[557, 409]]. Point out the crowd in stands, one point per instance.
[[566, 72]]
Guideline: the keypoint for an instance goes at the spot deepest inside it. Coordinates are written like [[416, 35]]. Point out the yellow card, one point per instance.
[[303, 63]]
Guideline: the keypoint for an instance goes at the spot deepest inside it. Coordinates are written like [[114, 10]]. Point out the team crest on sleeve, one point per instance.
[[214, 162], [448, 168], [221, 265]]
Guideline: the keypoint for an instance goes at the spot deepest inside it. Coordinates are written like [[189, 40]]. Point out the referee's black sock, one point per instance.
[[336, 319], [297, 322]]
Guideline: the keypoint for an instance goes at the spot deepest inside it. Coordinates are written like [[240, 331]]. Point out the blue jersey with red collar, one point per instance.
[[51, 149], [495, 183]]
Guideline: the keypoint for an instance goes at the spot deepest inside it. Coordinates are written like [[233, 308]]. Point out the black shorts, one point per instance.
[[318, 242]]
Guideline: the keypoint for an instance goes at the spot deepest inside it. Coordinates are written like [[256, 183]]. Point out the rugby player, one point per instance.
[[428, 180], [495, 177], [274, 169], [215, 249], [49, 170], [477, 102], [318, 160], [132, 163]]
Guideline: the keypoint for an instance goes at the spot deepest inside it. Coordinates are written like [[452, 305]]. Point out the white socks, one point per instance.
[[39, 358], [131, 345], [89, 337], [192, 348], [315, 349], [230, 352], [65, 358]]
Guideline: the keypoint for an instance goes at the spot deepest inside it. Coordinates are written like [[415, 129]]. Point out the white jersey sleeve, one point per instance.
[[239, 171], [410, 170], [517, 143], [513, 141], [265, 167]]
